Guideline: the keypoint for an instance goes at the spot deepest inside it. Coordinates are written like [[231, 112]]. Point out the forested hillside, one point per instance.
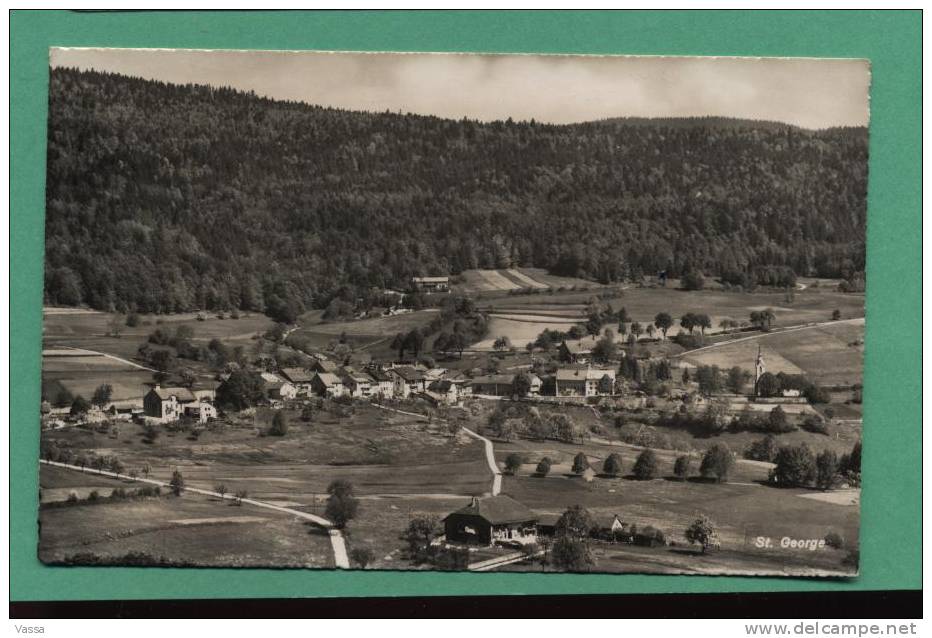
[[166, 198]]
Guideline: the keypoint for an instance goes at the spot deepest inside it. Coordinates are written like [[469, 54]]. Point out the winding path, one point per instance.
[[489, 449], [340, 557]]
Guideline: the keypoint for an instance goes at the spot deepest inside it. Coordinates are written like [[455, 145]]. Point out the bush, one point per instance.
[[543, 468], [649, 537], [279, 424], [513, 463], [813, 423]]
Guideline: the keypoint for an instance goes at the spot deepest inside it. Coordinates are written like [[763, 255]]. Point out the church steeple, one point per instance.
[[759, 368]]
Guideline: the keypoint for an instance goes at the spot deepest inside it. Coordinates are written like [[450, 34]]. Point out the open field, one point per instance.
[[379, 452], [822, 353], [505, 279], [189, 529], [743, 509]]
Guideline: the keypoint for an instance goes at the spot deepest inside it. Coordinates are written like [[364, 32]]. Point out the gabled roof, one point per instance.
[[497, 510], [297, 375], [408, 373], [583, 374], [379, 375], [325, 365], [182, 394], [497, 379], [349, 374], [435, 373], [580, 346], [329, 378]]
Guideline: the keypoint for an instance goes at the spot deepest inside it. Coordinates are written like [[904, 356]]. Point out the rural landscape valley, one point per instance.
[[285, 335]]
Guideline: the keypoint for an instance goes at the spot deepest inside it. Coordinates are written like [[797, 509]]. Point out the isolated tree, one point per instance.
[[663, 321], [688, 322], [177, 483], [115, 325], [341, 504], [681, 467], [702, 532], [717, 462], [279, 424], [239, 496], [565, 428], [703, 322], [513, 463], [651, 330], [637, 330], [575, 522], [81, 461], [686, 377], [220, 489], [836, 314], [187, 377], [763, 319], [646, 465], [543, 467], [102, 394], [146, 469], [502, 343], [307, 412], [580, 463], [420, 532], [362, 556], [611, 466], [826, 469]]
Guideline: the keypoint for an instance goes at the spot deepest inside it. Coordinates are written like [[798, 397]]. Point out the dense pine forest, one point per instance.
[[164, 198]]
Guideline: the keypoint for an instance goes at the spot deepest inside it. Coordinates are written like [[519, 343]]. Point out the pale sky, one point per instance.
[[813, 93]]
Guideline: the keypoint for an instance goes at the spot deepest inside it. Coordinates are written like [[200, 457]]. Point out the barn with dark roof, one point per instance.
[[492, 520]]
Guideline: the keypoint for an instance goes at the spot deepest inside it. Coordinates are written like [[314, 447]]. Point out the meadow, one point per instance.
[[743, 509], [190, 529], [828, 354], [511, 279]]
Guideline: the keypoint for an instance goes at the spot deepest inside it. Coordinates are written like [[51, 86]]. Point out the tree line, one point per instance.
[[167, 198]]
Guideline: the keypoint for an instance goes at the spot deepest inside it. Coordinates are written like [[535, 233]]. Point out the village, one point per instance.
[[600, 402]]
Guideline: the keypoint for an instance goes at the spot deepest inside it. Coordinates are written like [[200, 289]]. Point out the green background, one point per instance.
[[891, 526]]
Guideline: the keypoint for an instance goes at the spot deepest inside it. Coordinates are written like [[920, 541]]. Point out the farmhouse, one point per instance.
[[407, 381], [170, 404], [300, 378], [327, 384], [497, 385], [276, 388], [584, 382], [358, 384], [492, 520], [431, 284], [576, 351], [382, 383], [443, 391]]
